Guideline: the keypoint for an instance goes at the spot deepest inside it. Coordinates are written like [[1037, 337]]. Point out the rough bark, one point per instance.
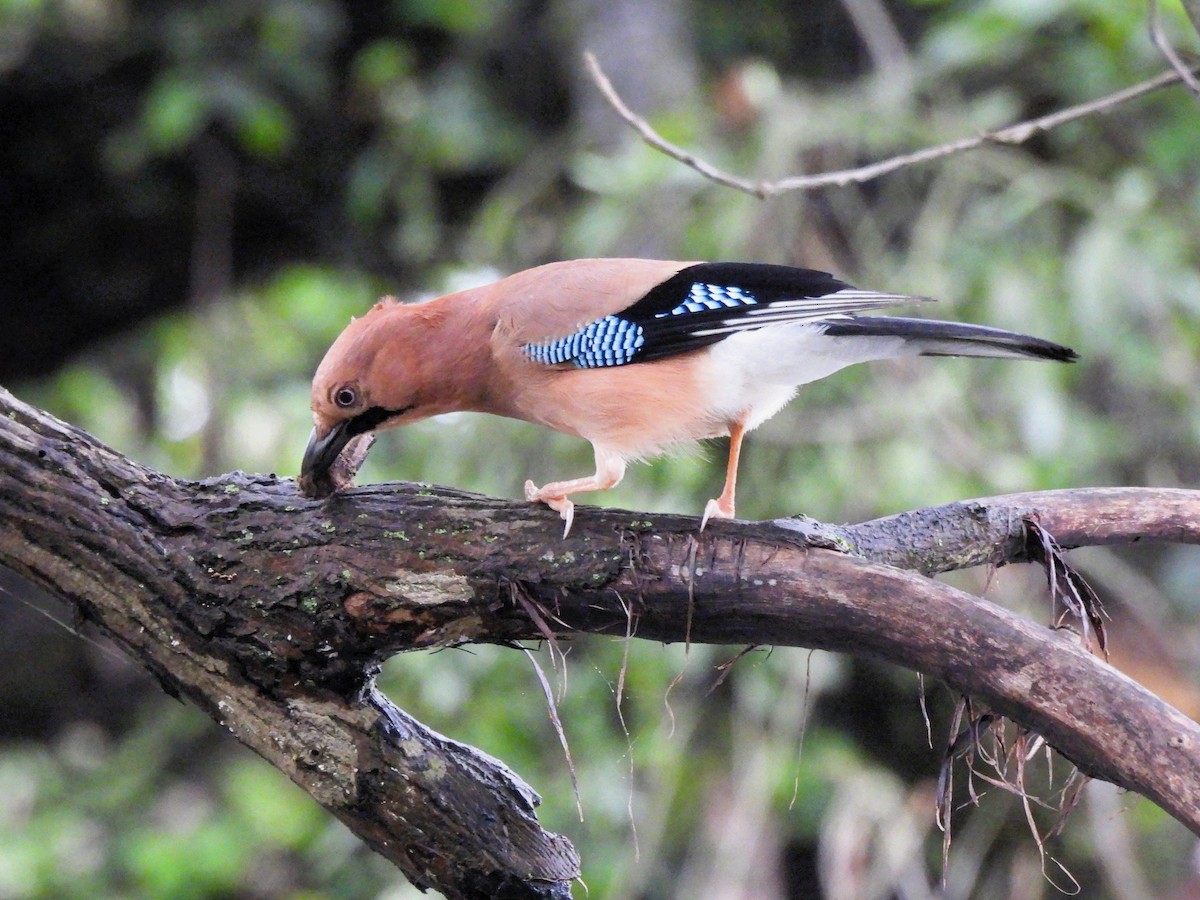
[[272, 612], [991, 531]]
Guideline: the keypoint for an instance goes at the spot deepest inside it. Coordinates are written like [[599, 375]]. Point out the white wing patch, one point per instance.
[[832, 306]]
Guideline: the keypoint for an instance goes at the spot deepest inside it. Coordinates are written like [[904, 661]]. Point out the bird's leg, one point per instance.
[[722, 507], [610, 468]]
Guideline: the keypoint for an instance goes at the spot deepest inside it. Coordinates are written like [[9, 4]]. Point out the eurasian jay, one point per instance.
[[634, 355]]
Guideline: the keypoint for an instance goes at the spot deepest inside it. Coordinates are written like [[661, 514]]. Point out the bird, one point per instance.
[[635, 356]]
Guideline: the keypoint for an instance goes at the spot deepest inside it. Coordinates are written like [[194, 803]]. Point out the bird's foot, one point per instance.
[[564, 507], [718, 508]]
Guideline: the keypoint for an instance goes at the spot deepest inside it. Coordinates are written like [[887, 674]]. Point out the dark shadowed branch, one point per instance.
[[272, 613]]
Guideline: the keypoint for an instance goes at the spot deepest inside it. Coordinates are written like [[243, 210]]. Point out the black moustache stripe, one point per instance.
[[372, 418]]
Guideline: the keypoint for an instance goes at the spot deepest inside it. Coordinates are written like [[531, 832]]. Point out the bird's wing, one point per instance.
[[701, 304]]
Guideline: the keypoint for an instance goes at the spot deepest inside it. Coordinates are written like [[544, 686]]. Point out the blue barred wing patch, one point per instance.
[[611, 341], [703, 297], [615, 340]]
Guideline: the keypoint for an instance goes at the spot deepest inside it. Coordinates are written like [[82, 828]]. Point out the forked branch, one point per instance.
[[1158, 36], [272, 612], [1018, 133]]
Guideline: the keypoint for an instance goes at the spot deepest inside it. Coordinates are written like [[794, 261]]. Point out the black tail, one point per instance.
[[932, 338]]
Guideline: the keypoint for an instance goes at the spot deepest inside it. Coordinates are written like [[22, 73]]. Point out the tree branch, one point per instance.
[[1012, 134], [1159, 37], [272, 612], [991, 530]]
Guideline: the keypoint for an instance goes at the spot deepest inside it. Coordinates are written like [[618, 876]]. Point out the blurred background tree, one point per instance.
[[198, 197]]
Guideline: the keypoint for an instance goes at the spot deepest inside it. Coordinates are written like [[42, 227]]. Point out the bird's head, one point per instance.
[[370, 379]]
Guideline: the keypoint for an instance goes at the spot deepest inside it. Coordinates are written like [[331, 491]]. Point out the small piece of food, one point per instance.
[[341, 474]]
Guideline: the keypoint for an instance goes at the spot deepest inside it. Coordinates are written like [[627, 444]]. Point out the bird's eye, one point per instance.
[[345, 397]]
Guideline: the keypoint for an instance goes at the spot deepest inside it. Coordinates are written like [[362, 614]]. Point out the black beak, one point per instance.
[[325, 469], [321, 453]]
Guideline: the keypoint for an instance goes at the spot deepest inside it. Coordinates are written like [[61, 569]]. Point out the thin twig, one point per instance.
[[658, 142], [1167, 49], [1012, 134]]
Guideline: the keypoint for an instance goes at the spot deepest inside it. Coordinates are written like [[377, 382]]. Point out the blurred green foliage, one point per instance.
[[436, 165]]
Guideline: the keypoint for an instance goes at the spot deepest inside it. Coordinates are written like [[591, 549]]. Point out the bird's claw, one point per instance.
[[564, 507], [715, 510]]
